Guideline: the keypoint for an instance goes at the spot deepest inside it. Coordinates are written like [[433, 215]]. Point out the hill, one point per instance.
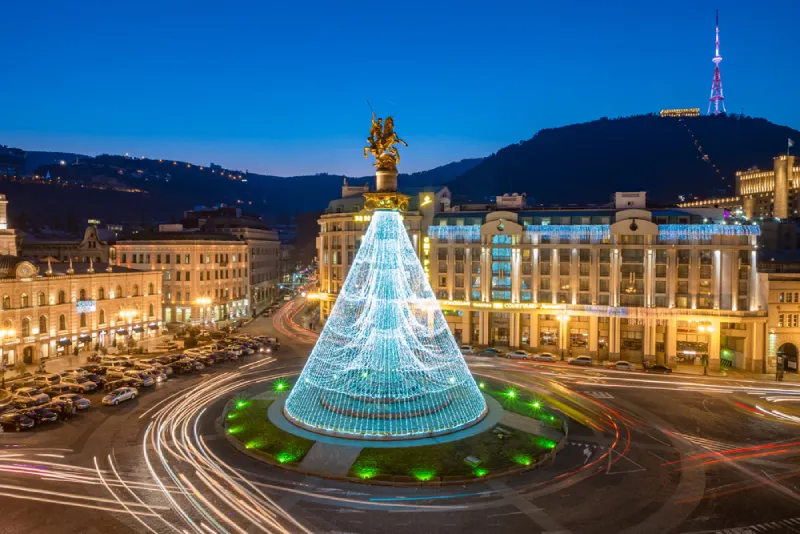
[[666, 157]]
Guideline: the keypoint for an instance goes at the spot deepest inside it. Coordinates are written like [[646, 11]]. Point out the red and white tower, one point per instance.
[[717, 100]]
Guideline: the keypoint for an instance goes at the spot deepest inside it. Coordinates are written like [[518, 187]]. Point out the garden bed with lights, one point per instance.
[[498, 450]]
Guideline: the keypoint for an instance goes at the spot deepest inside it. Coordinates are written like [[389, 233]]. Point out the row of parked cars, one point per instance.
[[585, 361], [48, 397]]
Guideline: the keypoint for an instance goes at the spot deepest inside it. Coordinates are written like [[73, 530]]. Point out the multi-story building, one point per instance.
[[9, 239], [343, 225], [97, 245], [263, 245], [50, 310], [762, 193], [618, 282], [206, 275]]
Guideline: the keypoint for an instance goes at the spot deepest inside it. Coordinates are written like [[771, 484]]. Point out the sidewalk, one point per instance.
[[734, 374]]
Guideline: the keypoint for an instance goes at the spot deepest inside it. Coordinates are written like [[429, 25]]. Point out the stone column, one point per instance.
[[593, 330], [713, 347], [534, 333], [594, 275], [514, 330], [573, 276], [694, 277], [468, 273], [451, 270], [716, 283], [484, 327], [486, 274], [466, 327], [555, 269], [672, 276], [649, 273], [515, 275], [535, 288], [613, 338], [671, 342]]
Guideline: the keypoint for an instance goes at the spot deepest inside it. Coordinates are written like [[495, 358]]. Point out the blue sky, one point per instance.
[[281, 88]]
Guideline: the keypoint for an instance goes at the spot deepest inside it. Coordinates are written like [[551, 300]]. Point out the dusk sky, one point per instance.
[[281, 87]]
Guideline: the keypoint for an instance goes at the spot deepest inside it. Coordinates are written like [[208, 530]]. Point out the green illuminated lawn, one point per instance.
[[521, 401], [447, 459], [248, 423]]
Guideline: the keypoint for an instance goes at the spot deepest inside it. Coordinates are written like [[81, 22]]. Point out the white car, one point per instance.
[[581, 360], [544, 357], [624, 366], [120, 395], [79, 384], [519, 354], [467, 350], [31, 395], [75, 372]]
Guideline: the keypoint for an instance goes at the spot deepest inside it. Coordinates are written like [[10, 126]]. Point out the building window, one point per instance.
[[102, 317], [40, 299], [82, 295], [119, 292], [153, 310], [24, 300], [188, 276], [178, 276], [26, 327], [62, 322], [124, 258], [62, 297], [780, 321], [83, 320], [167, 275], [188, 259], [177, 259], [6, 302], [42, 324], [178, 297], [168, 257], [135, 290], [188, 298], [101, 294], [150, 290], [158, 258]]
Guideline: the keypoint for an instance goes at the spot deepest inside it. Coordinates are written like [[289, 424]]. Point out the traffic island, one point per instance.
[[519, 433]]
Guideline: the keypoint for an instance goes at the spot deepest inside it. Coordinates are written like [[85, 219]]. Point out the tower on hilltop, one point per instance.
[[717, 100]]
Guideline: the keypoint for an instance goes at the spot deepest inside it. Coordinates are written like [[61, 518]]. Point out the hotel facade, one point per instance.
[[619, 282]]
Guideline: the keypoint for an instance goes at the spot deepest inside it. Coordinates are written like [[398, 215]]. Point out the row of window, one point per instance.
[[25, 330], [41, 299], [146, 257], [788, 320], [788, 297]]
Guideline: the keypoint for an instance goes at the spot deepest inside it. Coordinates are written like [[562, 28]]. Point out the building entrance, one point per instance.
[[788, 355]]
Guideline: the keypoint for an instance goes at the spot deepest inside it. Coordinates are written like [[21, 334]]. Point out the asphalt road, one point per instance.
[[647, 454]]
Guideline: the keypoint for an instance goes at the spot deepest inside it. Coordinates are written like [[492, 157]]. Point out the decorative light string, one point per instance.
[[470, 233], [595, 232], [693, 232], [386, 364]]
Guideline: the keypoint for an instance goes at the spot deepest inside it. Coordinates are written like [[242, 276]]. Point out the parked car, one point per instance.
[[30, 394], [467, 350], [146, 380], [78, 371], [97, 379], [624, 366], [490, 353], [659, 369], [581, 360], [79, 384], [123, 382], [16, 386], [95, 368], [15, 421], [58, 389], [519, 354], [182, 366], [81, 403], [156, 375], [544, 357], [120, 395], [46, 380], [40, 414]]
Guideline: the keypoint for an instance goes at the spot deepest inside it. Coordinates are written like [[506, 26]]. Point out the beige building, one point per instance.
[[48, 312], [97, 244], [206, 276], [762, 193], [624, 282], [10, 240], [783, 338]]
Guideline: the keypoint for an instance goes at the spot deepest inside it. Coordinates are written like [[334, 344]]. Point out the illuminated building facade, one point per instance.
[[206, 276], [622, 282], [683, 112]]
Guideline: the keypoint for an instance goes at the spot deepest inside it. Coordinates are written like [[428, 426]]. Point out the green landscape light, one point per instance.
[[546, 443], [367, 472], [523, 459], [231, 416], [422, 474], [251, 445], [511, 394], [280, 385], [285, 457], [241, 404], [482, 385], [234, 430], [536, 405], [480, 472]]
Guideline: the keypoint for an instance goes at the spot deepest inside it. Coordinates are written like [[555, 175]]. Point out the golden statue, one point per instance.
[[381, 144]]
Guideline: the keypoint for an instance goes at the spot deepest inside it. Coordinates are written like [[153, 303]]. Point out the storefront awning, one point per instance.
[[138, 328], [122, 331], [84, 337], [153, 327], [64, 342]]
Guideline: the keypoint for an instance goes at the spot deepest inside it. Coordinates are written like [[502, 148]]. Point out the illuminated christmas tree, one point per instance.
[[386, 364]]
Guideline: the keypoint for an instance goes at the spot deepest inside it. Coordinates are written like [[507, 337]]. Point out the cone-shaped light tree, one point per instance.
[[386, 365]]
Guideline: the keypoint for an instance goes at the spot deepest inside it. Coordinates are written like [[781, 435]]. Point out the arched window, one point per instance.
[[118, 294], [40, 299], [6, 302], [62, 322], [83, 320], [150, 290], [102, 317], [62, 297], [101, 294], [82, 295], [135, 290], [152, 310], [26, 327], [24, 300], [8, 324], [42, 324]]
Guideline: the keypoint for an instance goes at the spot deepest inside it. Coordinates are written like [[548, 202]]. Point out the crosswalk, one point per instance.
[[600, 394], [707, 444], [784, 525]]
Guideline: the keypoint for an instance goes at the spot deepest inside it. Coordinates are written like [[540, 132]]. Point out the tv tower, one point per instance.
[[717, 100]]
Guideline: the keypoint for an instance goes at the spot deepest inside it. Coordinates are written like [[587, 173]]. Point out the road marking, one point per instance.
[[600, 394], [611, 453]]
